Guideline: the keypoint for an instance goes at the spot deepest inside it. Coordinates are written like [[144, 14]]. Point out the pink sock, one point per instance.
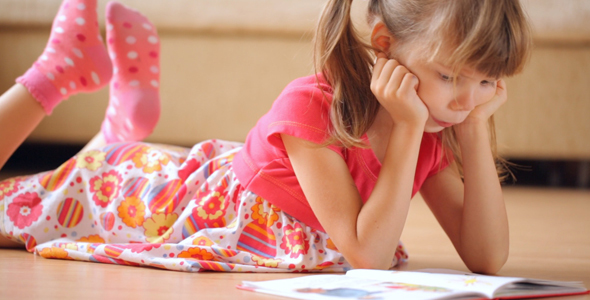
[[134, 46], [74, 60]]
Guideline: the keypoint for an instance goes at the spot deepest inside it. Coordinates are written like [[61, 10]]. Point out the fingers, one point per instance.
[[492, 106], [501, 88], [488, 108], [388, 75], [501, 84], [501, 94], [409, 85], [378, 67], [395, 87]]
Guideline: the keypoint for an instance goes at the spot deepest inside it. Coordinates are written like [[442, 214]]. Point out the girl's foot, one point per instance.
[[134, 46], [74, 60]]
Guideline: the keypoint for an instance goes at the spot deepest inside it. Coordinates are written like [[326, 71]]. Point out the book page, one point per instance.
[[351, 287], [533, 287], [482, 284], [525, 286], [378, 284]]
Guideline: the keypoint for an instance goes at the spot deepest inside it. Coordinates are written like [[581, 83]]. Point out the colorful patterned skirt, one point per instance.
[[167, 207]]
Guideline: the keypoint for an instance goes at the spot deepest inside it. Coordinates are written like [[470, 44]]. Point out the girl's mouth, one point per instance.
[[441, 123]]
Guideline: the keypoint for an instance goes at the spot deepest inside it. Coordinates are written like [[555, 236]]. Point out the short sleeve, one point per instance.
[[442, 159], [303, 111]]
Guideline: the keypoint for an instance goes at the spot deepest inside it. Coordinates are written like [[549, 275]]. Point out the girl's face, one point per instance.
[[448, 103]]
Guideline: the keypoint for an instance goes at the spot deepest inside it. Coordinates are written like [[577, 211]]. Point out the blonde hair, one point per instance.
[[492, 36]]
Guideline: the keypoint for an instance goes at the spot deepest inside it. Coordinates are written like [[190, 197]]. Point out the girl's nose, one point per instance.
[[465, 101]]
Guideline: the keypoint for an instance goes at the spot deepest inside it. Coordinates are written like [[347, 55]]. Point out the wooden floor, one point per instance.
[[550, 239]]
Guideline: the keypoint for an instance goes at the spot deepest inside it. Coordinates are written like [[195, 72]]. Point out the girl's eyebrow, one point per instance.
[[462, 73], [440, 65], [444, 67]]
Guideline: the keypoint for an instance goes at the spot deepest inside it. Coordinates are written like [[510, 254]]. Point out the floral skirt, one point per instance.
[[166, 207]]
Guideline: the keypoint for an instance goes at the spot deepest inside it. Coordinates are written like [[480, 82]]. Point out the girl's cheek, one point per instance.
[[489, 95]]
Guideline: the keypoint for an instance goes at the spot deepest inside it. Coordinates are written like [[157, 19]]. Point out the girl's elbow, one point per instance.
[[365, 256], [368, 262], [371, 266], [487, 259], [489, 266], [484, 269]]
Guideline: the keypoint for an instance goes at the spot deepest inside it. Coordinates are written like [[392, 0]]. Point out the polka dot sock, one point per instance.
[[74, 60], [134, 46]]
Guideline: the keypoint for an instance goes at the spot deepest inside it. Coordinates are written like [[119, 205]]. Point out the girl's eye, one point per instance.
[[489, 83], [446, 77]]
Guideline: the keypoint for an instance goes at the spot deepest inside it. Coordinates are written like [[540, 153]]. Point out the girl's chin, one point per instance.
[[432, 126], [433, 129]]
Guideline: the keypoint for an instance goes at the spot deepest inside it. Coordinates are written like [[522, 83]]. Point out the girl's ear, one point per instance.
[[381, 39]]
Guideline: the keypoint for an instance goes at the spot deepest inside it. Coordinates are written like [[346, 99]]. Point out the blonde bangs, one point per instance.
[[492, 37]]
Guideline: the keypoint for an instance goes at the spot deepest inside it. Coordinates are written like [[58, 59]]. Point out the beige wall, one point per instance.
[[212, 86], [224, 62]]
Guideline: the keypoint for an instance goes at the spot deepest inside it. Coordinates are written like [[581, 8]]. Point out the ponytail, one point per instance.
[[346, 64]]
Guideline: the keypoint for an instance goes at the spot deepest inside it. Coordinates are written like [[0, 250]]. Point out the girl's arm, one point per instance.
[[473, 214], [367, 235]]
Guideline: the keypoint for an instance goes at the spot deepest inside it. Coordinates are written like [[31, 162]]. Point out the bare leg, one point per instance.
[[20, 113], [134, 107], [74, 60]]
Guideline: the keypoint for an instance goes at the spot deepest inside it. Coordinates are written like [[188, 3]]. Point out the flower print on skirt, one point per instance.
[[161, 206]]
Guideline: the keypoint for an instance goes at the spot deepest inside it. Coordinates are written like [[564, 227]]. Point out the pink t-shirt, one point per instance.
[[302, 110]]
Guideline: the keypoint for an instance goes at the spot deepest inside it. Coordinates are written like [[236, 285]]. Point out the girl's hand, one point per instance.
[[396, 90], [483, 112]]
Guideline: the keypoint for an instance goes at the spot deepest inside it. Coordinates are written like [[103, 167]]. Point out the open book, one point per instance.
[[426, 284]]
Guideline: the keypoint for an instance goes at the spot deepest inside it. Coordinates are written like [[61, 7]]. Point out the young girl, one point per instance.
[[324, 179]]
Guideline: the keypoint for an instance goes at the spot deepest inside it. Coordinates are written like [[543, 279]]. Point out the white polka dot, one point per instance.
[[72, 85], [69, 61], [110, 26], [81, 6], [50, 76], [80, 21], [132, 55], [63, 91], [44, 57], [62, 18], [154, 83], [147, 26], [113, 55], [59, 30], [115, 70], [131, 40], [154, 69], [77, 52], [95, 78], [50, 50], [152, 39], [134, 83]]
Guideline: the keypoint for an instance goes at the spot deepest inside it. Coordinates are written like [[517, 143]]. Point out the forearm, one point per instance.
[[484, 227], [381, 220]]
